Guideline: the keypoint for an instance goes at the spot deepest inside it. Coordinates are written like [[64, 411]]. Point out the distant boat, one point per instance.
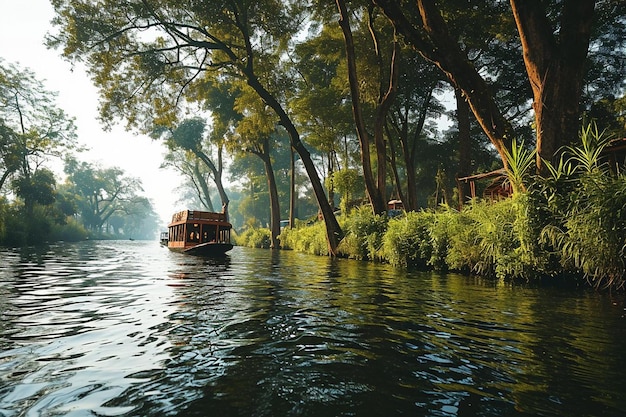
[[200, 233]]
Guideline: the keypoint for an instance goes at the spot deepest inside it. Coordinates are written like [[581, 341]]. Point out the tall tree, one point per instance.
[[144, 53], [38, 188], [555, 55], [252, 134], [407, 122], [376, 189], [424, 27], [463, 124], [195, 172], [322, 110], [103, 191], [555, 39], [32, 127], [189, 135]]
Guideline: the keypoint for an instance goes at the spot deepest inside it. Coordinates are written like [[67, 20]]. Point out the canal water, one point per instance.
[[129, 329]]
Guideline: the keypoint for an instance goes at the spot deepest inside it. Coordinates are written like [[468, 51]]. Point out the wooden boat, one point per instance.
[[199, 233]]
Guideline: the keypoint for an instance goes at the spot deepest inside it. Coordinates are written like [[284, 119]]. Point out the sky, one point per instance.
[[23, 25]]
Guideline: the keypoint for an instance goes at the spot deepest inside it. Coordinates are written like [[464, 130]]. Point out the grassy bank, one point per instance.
[[570, 223]]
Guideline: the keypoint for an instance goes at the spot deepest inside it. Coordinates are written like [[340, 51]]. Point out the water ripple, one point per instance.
[[130, 329]]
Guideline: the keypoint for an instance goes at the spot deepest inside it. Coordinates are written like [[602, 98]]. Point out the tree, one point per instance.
[[424, 27], [323, 111], [11, 152], [554, 38], [386, 94], [32, 127], [407, 123], [189, 135], [103, 191], [555, 56], [195, 172], [252, 134], [38, 188], [135, 219], [143, 55]]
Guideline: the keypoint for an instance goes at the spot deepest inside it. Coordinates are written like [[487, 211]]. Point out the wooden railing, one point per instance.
[[185, 215]]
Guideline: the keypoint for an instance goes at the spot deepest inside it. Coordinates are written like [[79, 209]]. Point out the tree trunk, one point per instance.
[[394, 170], [435, 44], [465, 162], [374, 193], [292, 188], [217, 176], [203, 188], [334, 234], [273, 193], [555, 65], [387, 95], [331, 188]]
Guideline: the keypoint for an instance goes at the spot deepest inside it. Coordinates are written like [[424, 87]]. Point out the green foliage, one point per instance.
[[21, 230], [585, 212], [309, 239], [586, 156], [255, 238], [32, 128], [364, 234], [188, 135], [520, 163], [440, 236], [37, 188], [348, 183], [408, 242], [491, 239], [71, 231], [102, 193]]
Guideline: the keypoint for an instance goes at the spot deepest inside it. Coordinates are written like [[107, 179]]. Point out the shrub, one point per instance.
[[440, 232], [586, 203], [485, 238], [364, 233], [309, 239], [255, 238], [71, 231], [407, 241], [463, 252]]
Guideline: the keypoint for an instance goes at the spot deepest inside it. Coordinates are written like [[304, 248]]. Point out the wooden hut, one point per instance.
[[497, 189]]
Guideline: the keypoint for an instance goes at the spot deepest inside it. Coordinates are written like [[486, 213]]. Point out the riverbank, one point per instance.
[[507, 239], [569, 224]]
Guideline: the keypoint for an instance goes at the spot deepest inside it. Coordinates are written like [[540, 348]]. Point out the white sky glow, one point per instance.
[[23, 25]]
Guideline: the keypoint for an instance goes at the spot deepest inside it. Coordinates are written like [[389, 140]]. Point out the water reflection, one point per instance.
[[128, 328]]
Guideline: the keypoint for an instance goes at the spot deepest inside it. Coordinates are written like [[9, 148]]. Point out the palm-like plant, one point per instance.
[[587, 155], [520, 162], [588, 215]]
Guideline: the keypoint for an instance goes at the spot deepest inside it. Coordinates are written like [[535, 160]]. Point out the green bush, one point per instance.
[[255, 238], [463, 252], [585, 204], [22, 229], [485, 238], [71, 231], [590, 235], [364, 232], [440, 234], [407, 242], [309, 239]]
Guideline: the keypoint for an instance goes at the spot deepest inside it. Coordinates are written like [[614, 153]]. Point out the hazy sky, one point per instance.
[[23, 24]]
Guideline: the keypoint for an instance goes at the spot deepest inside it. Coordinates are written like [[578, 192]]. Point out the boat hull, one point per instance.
[[209, 249]]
